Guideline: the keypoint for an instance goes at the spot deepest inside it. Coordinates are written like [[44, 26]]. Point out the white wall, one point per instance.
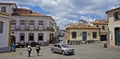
[[5, 35]]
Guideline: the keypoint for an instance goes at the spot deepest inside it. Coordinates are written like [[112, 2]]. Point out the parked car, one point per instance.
[[17, 45], [62, 48]]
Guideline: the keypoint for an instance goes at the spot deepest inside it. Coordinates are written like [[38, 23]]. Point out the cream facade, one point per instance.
[[82, 32], [4, 32], [114, 26], [103, 25]]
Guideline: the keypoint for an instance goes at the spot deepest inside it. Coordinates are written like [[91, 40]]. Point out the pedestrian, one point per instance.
[[13, 47], [37, 49], [29, 50]]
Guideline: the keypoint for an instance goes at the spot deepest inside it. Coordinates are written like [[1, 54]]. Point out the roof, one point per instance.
[[22, 9], [3, 3], [82, 26], [112, 10], [32, 14], [100, 22]]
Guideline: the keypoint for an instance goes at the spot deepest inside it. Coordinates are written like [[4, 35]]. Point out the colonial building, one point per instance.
[[114, 26], [4, 32], [29, 26], [103, 25], [82, 31]]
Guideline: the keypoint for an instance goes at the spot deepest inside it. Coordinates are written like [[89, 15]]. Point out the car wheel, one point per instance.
[[63, 52], [52, 51]]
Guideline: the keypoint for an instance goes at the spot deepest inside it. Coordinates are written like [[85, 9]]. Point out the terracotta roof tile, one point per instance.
[[83, 26], [100, 22], [32, 14]]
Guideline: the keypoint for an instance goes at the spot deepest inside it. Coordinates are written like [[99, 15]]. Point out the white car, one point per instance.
[[62, 48]]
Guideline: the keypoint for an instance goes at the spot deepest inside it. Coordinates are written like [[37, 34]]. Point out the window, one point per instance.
[[103, 27], [22, 36], [117, 16], [3, 9], [94, 34], [32, 23], [59, 46], [1, 27], [73, 34], [55, 45], [40, 37], [22, 22], [41, 22]]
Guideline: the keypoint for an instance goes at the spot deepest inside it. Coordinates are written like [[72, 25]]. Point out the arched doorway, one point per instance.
[[117, 36]]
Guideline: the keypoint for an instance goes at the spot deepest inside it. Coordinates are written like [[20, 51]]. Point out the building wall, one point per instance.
[[47, 28], [4, 37], [89, 34], [112, 25], [45, 35]]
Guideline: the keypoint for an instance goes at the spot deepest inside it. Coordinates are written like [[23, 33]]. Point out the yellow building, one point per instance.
[[4, 32], [103, 25], [114, 26], [82, 32]]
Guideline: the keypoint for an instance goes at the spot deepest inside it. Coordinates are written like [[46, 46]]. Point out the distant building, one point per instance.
[[114, 26], [5, 32], [103, 25], [82, 31]]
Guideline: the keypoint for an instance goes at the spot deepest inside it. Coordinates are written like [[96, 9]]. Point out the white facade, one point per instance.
[[36, 25], [4, 33]]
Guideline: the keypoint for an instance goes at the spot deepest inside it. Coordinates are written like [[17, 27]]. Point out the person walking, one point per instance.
[[13, 47], [29, 50], [37, 49]]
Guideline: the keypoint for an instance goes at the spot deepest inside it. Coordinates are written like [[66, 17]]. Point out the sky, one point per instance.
[[69, 11]]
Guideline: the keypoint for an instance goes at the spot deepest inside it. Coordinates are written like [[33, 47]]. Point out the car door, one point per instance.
[[59, 49], [55, 47]]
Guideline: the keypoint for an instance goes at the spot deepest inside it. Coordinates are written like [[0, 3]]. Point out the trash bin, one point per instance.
[[105, 45]]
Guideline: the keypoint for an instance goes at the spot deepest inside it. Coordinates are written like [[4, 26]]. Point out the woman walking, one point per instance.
[[29, 50], [37, 49]]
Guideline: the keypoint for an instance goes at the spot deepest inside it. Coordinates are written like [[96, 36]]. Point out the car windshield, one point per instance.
[[65, 46]]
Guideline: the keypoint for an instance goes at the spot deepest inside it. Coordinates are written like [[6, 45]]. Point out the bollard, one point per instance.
[[105, 45]]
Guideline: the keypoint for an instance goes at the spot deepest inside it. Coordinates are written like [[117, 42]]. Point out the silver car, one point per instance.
[[62, 48]]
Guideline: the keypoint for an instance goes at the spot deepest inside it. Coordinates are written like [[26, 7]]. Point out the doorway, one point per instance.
[[84, 36], [40, 37], [117, 36], [103, 37]]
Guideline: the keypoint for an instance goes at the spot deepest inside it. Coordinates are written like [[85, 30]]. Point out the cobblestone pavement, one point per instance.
[[86, 51]]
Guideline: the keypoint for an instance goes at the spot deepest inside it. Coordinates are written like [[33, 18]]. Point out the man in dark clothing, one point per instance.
[[37, 49]]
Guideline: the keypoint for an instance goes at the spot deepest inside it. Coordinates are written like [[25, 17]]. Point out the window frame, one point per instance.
[[3, 9], [1, 26], [74, 34], [94, 35]]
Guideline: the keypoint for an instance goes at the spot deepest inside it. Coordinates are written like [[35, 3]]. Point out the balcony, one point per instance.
[[50, 28]]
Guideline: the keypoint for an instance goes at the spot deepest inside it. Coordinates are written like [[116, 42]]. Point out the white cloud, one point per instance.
[[64, 11]]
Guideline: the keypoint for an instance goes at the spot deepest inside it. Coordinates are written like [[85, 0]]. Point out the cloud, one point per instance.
[[69, 11]]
